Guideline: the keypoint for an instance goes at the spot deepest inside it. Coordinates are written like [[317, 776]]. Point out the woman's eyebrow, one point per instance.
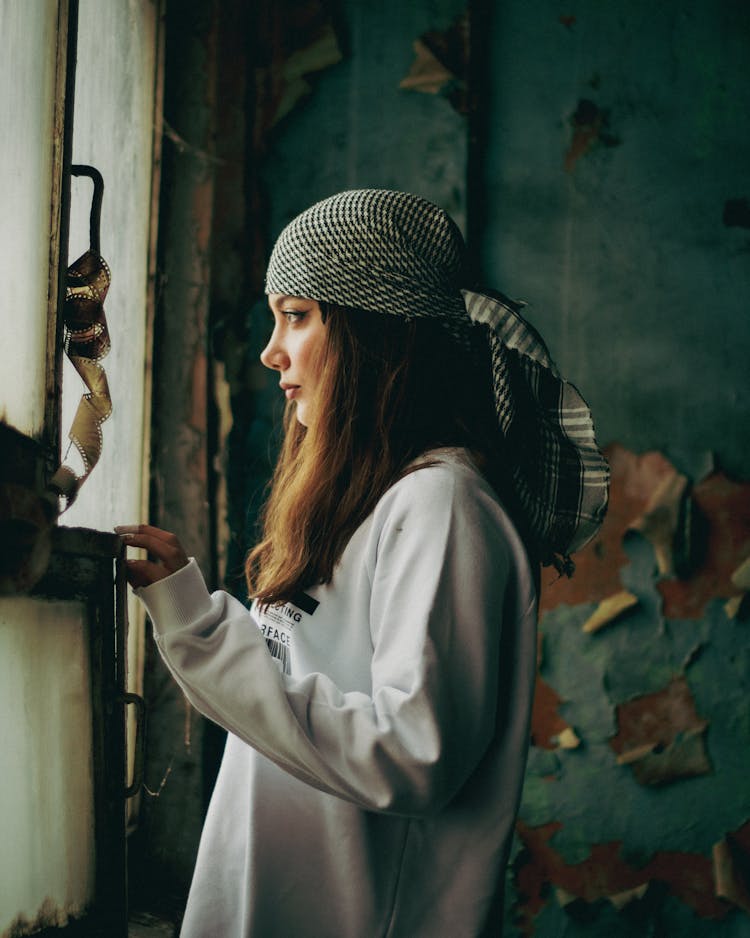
[[277, 301], [282, 299]]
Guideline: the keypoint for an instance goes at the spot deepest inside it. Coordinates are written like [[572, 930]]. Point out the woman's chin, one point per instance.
[[301, 414]]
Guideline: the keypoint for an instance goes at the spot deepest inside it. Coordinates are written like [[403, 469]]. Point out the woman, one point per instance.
[[377, 695]]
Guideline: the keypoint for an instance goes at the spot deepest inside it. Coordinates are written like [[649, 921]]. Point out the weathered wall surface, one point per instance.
[[360, 129], [162, 853], [616, 188], [617, 148]]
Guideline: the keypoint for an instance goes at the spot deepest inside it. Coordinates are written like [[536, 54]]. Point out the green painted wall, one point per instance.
[[634, 276], [359, 129]]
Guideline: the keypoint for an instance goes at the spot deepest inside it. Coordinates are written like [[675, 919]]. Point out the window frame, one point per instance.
[[86, 566]]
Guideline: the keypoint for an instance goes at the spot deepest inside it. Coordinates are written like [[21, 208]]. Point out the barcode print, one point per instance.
[[280, 653]]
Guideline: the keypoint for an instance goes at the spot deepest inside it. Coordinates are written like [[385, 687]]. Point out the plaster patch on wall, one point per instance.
[[661, 737], [591, 127], [441, 64]]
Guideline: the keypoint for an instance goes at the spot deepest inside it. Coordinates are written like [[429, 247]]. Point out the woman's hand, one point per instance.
[[165, 549]]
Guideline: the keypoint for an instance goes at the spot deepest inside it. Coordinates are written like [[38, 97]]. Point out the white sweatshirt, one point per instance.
[[378, 726]]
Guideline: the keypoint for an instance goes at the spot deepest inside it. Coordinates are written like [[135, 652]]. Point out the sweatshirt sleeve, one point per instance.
[[439, 573]]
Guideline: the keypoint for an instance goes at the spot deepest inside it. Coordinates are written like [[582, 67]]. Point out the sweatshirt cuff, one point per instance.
[[177, 600]]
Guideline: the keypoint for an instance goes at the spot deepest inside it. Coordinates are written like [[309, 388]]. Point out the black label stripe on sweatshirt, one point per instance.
[[305, 603]]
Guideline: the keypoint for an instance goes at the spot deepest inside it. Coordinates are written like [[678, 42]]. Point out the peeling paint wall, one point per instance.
[[658, 702], [616, 188]]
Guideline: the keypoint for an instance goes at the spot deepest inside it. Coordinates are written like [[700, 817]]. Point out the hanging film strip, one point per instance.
[[86, 342]]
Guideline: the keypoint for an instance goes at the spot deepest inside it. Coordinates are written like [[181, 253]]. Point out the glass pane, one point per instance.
[[113, 131], [28, 39], [46, 809]]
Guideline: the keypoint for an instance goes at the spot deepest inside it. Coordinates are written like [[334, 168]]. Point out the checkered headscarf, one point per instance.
[[391, 252]]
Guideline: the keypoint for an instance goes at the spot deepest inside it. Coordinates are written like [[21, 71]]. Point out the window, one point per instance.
[[62, 646]]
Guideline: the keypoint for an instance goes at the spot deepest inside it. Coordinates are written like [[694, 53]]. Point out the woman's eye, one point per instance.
[[293, 315]]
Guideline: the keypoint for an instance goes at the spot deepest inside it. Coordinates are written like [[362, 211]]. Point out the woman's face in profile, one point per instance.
[[295, 349]]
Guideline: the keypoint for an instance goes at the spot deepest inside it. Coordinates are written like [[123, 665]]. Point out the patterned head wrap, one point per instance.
[[395, 253]]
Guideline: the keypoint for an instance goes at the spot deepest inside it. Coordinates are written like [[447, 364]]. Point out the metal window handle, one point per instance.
[[95, 216], [140, 742]]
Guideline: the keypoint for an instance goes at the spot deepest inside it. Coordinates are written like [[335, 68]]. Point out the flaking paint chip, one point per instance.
[[731, 884], [733, 605], [740, 580], [427, 74], [608, 610], [741, 576], [661, 522], [441, 62], [565, 898], [622, 899], [568, 739]]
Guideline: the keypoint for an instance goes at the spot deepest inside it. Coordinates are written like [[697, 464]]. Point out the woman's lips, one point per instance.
[[290, 390]]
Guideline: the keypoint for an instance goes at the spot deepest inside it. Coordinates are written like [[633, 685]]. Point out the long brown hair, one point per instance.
[[391, 390]]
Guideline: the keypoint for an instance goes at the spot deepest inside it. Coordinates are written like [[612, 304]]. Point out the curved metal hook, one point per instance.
[[95, 217]]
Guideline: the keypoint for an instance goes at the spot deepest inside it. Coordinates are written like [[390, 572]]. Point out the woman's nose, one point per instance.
[[273, 355]]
